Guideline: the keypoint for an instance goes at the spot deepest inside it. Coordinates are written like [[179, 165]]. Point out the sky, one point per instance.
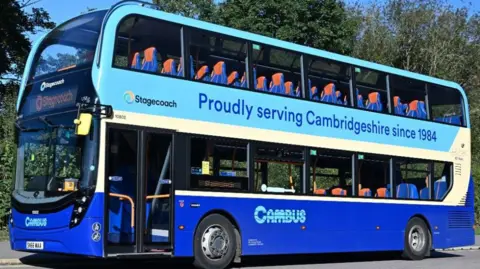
[[62, 10]]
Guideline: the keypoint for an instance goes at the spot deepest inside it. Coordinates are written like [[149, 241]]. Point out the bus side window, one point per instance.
[[373, 176], [217, 58], [408, 97], [138, 47], [412, 179], [218, 164], [330, 172], [446, 105], [278, 169], [371, 91], [442, 179]]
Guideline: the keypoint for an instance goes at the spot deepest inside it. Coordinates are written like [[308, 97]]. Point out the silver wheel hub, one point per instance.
[[417, 238], [215, 241]]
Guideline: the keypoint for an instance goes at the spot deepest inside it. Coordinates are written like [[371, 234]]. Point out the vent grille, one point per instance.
[[460, 220], [458, 169], [463, 201]]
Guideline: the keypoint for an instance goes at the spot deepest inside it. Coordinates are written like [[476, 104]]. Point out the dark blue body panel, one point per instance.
[[57, 236], [330, 226]]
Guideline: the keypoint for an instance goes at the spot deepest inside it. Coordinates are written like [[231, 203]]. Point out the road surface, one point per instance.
[[469, 259]]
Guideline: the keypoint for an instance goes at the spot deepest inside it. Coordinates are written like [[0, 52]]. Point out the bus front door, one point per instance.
[[138, 188], [121, 188], [158, 191]]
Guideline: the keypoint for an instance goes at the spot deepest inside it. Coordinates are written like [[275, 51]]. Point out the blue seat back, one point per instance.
[[169, 67], [150, 62], [407, 191], [374, 102], [440, 188], [202, 73], [136, 62], [399, 108], [277, 85], [424, 193], [219, 73], [328, 94]]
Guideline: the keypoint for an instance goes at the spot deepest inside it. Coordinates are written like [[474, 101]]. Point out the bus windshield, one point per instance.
[[71, 45], [51, 159]]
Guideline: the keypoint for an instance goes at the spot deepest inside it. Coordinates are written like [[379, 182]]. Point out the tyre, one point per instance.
[[417, 240], [215, 243]]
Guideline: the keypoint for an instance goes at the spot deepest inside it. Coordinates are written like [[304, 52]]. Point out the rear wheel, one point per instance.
[[417, 240], [215, 243]]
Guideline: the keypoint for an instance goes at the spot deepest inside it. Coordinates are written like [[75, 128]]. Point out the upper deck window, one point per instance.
[[409, 97], [276, 70], [446, 105], [69, 46], [148, 45]]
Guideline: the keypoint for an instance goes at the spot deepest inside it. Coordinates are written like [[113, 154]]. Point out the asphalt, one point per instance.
[[9, 257]]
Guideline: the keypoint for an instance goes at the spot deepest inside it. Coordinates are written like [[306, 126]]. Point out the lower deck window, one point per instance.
[[218, 164]]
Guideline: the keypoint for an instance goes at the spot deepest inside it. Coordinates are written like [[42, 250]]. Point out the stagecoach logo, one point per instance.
[[53, 101], [129, 97], [35, 222], [46, 85], [263, 215]]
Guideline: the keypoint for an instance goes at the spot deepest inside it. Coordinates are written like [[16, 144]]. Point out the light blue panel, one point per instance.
[[132, 91]]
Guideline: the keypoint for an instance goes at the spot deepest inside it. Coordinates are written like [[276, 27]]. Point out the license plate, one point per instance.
[[34, 245]]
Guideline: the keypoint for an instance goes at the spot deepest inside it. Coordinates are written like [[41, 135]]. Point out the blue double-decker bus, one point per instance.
[[146, 133]]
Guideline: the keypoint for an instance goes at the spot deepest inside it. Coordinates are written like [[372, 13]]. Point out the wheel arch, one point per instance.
[[229, 217]]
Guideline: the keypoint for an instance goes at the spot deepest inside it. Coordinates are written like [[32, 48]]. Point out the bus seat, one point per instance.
[[413, 109], [338, 95], [454, 119], [289, 88], [261, 84], [180, 68], [219, 73], [424, 193], [314, 95], [202, 73], [243, 81], [339, 192], [149, 62], [277, 85], [382, 192], [440, 188], [422, 112], [320, 192], [398, 106], [345, 100], [233, 79], [360, 100], [328, 94], [365, 192], [407, 191], [136, 61], [169, 67], [373, 102], [298, 91]]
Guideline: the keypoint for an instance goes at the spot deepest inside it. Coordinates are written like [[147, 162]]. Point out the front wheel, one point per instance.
[[417, 240], [215, 243]]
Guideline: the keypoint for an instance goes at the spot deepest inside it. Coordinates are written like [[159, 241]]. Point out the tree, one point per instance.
[[321, 24], [198, 9], [14, 25]]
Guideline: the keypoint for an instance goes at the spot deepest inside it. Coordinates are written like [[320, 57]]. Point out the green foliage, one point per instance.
[[16, 22]]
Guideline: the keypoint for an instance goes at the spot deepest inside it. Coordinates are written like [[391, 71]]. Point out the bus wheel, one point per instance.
[[417, 240], [215, 243]]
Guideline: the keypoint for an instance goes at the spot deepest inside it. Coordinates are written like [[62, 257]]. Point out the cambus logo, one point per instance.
[[35, 222], [131, 98], [263, 215]]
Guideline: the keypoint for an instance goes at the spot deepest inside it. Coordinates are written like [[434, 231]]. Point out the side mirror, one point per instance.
[[83, 123]]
